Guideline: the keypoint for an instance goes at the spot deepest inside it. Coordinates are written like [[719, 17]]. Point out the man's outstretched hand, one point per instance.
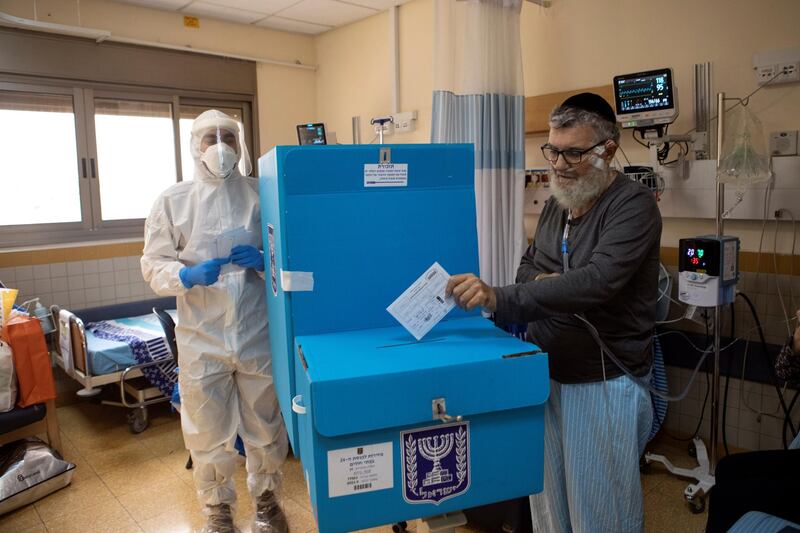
[[469, 292]]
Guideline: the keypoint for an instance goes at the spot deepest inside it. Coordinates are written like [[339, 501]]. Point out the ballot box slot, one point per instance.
[[521, 354], [302, 357], [411, 343]]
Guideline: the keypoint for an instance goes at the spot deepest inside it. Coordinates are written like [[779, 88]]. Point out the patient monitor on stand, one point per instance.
[[648, 103], [646, 99]]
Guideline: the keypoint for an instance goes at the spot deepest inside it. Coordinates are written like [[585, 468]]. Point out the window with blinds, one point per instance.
[[84, 159]]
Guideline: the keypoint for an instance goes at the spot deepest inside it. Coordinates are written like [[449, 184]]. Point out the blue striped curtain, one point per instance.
[[478, 99], [494, 123]]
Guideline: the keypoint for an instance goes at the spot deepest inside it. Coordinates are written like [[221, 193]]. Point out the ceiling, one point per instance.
[[301, 16]]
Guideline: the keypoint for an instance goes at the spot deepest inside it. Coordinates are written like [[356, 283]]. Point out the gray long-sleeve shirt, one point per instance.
[[612, 279]]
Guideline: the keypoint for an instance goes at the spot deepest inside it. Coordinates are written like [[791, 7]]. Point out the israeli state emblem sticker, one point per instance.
[[436, 464]]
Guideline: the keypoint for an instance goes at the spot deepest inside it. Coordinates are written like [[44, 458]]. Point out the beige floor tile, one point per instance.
[[82, 494], [83, 470], [300, 519], [176, 463], [162, 414], [164, 440], [294, 483], [100, 440], [178, 520], [300, 498], [24, 519], [68, 449], [665, 511], [146, 502], [412, 527], [127, 454], [652, 478], [676, 451], [110, 517], [244, 502], [243, 515], [151, 474], [41, 528], [86, 417]]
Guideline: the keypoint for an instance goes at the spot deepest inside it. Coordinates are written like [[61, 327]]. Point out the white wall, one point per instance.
[[354, 77]]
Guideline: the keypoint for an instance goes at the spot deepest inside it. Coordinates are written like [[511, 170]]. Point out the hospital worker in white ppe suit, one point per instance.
[[202, 242]]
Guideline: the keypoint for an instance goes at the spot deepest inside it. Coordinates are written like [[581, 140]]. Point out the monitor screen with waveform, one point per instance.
[[645, 98]]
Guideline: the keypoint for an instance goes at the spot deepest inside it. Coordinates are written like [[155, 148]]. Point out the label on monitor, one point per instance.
[[729, 267], [360, 469], [386, 175]]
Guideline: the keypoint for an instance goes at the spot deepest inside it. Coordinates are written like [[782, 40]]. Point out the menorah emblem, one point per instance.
[[435, 449], [435, 462]]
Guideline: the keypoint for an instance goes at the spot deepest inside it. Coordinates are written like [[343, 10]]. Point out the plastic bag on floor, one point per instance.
[[8, 379], [29, 471]]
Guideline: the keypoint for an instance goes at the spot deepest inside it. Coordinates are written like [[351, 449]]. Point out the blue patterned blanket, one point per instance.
[[147, 344]]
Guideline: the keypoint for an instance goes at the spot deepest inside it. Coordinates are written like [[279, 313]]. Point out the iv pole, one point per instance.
[[703, 473], [714, 436]]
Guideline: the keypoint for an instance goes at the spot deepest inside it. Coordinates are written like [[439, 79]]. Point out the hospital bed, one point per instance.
[[119, 346]]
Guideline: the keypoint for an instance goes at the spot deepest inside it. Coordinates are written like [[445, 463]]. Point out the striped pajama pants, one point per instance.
[[756, 522], [594, 436]]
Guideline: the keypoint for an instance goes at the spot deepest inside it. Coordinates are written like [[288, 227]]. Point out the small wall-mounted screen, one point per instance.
[[311, 134], [645, 95]]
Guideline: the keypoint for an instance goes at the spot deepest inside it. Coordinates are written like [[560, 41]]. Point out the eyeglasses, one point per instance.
[[571, 156]]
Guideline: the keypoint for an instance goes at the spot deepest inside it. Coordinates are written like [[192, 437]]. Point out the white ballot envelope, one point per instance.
[[423, 304], [227, 241]]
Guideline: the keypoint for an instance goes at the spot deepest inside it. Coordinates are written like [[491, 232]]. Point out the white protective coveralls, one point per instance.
[[225, 377]]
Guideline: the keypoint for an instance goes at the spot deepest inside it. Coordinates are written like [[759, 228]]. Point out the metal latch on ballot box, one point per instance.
[[439, 408]]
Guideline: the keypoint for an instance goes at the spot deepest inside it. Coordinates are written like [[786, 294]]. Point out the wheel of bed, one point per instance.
[[138, 420]]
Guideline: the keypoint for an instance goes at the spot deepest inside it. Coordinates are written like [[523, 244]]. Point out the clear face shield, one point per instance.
[[218, 144]]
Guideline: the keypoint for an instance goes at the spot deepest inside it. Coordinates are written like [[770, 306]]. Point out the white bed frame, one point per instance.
[[142, 392]]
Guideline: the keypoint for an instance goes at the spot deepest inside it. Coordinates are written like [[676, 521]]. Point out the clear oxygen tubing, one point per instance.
[[641, 381]]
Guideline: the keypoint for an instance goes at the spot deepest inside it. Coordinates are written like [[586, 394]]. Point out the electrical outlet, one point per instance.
[[789, 71], [405, 122], [783, 143], [765, 73], [780, 66]]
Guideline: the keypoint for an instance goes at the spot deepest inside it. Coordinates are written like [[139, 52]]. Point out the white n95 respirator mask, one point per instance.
[[220, 159]]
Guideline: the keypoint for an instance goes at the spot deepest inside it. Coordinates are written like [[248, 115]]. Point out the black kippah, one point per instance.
[[593, 103]]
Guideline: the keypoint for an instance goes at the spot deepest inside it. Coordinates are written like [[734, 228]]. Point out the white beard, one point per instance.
[[575, 193]]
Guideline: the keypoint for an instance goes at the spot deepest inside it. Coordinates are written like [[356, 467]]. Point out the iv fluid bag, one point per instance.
[[745, 159]]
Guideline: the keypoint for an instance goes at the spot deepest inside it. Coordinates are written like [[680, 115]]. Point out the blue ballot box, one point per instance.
[[389, 428]]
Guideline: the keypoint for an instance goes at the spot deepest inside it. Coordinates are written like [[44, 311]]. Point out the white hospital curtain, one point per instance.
[[478, 98]]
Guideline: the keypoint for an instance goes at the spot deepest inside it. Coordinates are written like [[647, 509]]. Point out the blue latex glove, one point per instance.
[[248, 257], [205, 273]]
